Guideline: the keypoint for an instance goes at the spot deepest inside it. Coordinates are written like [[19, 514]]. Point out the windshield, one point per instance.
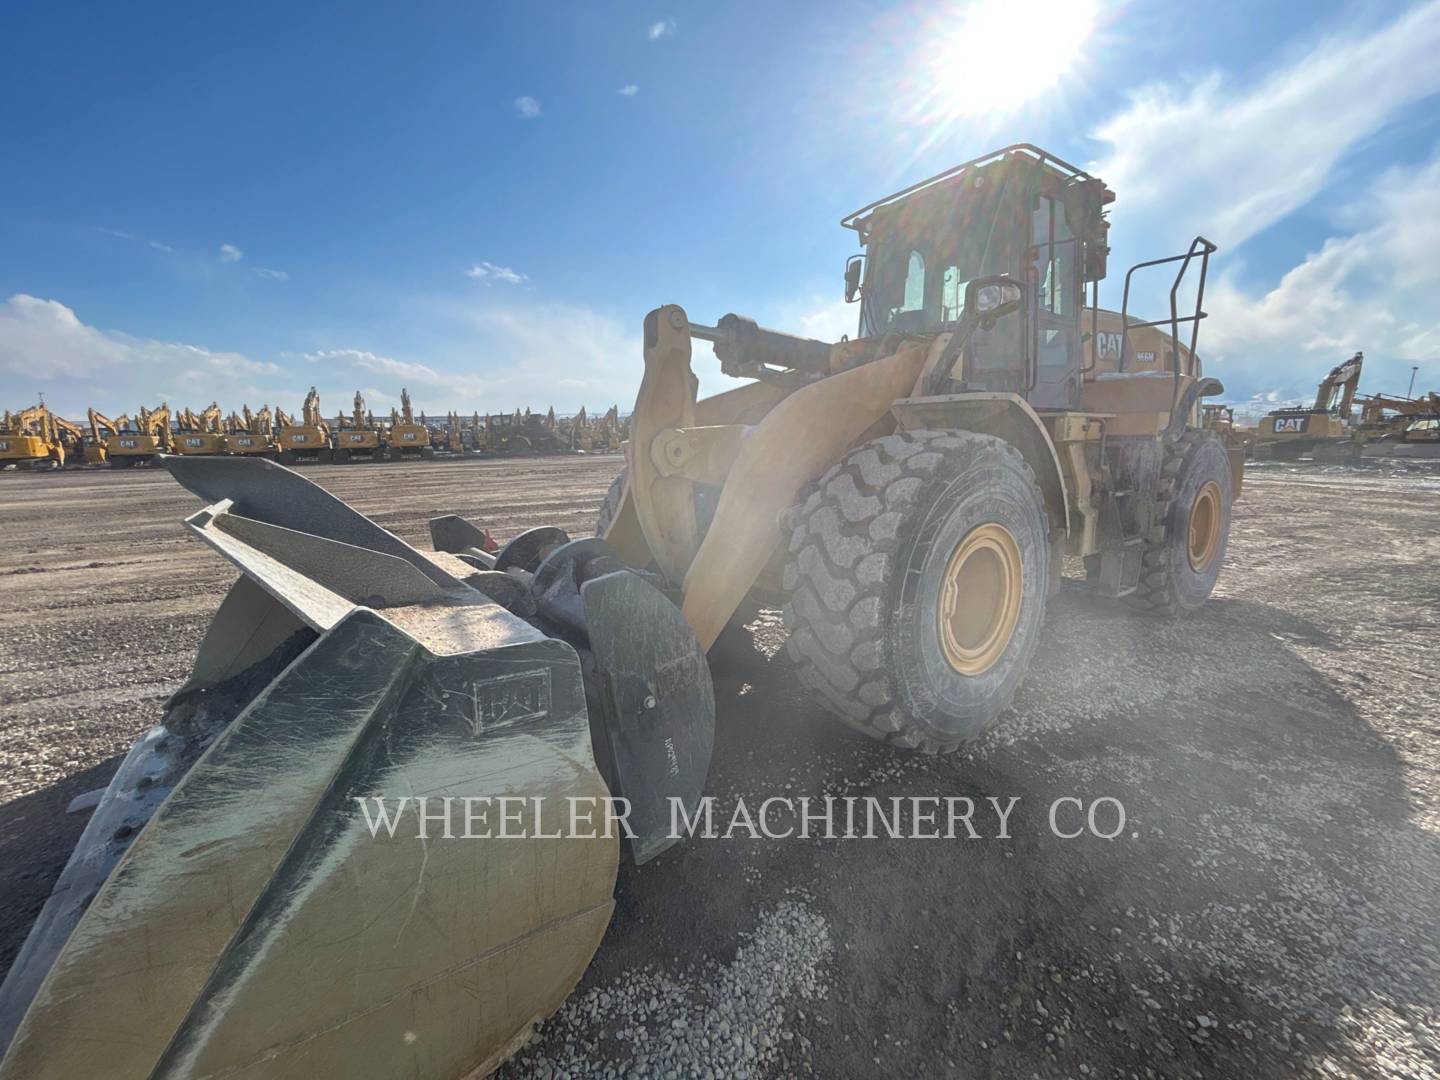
[[924, 250]]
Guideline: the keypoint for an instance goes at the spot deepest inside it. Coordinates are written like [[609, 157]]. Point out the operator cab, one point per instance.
[[999, 251]]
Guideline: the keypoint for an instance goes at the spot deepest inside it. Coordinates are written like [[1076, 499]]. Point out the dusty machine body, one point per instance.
[[360, 439], [37, 438], [1323, 430], [305, 442], [199, 434], [138, 442], [907, 496], [406, 438]]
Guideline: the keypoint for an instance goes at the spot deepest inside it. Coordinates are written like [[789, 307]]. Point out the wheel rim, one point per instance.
[[1205, 518], [980, 599]]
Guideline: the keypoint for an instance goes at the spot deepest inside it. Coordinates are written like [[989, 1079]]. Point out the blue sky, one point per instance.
[[480, 201]]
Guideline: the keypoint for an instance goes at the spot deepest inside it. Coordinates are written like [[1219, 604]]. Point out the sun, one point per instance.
[[988, 57]]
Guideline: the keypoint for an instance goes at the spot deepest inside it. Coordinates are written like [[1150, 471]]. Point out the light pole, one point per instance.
[[1413, 369]]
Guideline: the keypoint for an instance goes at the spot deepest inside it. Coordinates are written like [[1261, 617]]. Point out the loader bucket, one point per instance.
[[240, 905]]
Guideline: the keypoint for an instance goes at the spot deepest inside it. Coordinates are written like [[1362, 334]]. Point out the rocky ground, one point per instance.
[[1267, 910]]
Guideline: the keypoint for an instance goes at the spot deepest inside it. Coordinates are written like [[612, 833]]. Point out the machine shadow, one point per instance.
[[1269, 869], [36, 838]]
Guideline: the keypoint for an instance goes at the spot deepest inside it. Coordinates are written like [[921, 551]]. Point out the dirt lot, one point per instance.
[[1269, 908]]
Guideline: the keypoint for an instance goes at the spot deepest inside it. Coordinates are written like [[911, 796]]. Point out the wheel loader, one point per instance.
[[907, 495]]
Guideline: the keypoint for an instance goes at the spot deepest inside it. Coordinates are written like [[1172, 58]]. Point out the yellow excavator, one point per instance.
[[359, 440], [1385, 417], [251, 434], [37, 438], [406, 438], [138, 442], [307, 441], [199, 433], [312, 867], [1322, 431]]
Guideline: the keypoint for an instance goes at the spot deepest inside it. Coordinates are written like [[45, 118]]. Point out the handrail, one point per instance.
[[1204, 248], [849, 220]]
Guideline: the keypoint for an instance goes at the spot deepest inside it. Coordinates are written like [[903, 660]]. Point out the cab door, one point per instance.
[[1056, 298]]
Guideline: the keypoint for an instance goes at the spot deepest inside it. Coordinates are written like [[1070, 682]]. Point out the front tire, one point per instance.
[[1182, 560], [917, 578]]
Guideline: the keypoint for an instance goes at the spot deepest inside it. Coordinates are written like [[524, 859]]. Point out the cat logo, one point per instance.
[[4, 446], [194, 442], [245, 442], [1108, 345], [1290, 423]]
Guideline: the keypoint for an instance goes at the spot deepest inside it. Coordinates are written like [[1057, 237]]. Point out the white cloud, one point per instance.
[[528, 107], [1229, 161], [229, 253], [628, 90], [486, 271], [661, 28], [274, 275], [44, 345], [158, 246], [1371, 290]]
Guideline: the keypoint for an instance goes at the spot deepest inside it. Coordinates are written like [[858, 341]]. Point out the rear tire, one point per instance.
[[917, 579], [1183, 559]]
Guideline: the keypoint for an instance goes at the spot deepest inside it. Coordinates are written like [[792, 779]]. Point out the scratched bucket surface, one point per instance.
[[235, 916]]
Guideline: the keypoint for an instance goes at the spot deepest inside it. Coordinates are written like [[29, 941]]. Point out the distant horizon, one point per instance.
[[483, 203]]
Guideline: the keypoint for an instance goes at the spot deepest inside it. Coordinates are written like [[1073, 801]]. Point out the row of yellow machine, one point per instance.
[[1337, 426], [37, 437]]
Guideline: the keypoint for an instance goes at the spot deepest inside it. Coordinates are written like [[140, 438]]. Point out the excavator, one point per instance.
[[101, 428], [37, 438], [360, 439], [406, 438], [199, 434], [251, 434], [138, 442], [1385, 417], [1322, 431], [309, 440], [252, 897]]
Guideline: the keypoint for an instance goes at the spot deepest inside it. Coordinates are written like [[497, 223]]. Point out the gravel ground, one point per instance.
[[1268, 909]]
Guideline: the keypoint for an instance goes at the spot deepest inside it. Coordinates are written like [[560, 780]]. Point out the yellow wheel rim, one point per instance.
[[1206, 514], [980, 599]]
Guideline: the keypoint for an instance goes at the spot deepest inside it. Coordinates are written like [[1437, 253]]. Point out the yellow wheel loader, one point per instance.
[[240, 907], [907, 496]]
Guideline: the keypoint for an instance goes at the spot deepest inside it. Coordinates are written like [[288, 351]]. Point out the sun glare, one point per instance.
[[995, 55]]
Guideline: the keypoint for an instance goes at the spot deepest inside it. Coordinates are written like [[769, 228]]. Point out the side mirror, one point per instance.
[[854, 268]]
